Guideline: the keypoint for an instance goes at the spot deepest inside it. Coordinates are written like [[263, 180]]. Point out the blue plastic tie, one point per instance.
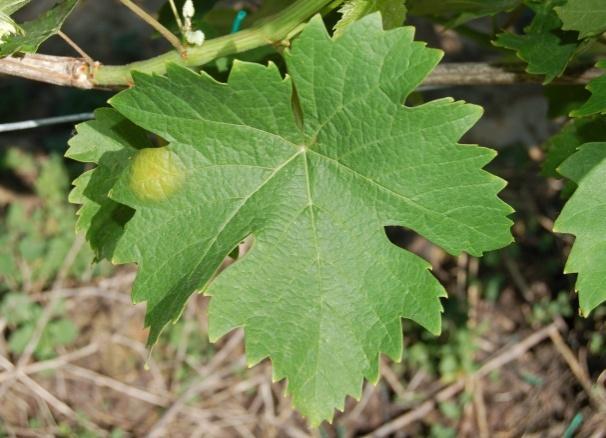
[[238, 19]]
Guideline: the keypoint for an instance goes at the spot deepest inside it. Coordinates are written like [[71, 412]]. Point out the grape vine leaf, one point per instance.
[[596, 104], [37, 31], [588, 17], [313, 176], [584, 216], [566, 142], [392, 11], [458, 12], [545, 48]]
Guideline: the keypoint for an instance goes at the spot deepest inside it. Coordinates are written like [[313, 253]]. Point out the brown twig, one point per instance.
[[480, 409], [74, 72], [158, 429], [116, 385], [76, 47], [143, 15], [52, 364], [41, 392], [596, 397], [56, 70]]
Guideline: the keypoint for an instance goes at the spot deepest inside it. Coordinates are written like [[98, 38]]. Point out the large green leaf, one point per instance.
[[584, 215], [392, 11], [588, 17], [314, 179], [546, 49], [37, 31], [596, 104]]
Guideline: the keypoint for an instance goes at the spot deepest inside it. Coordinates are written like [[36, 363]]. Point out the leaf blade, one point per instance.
[[322, 291]]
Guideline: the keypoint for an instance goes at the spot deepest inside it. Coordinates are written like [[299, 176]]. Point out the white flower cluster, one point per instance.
[[195, 37]]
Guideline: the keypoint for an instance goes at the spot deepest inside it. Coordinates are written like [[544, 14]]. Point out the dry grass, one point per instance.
[[108, 382]]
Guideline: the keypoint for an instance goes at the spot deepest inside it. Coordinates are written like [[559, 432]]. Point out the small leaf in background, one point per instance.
[[584, 216], [62, 332], [566, 142], [16, 308], [596, 104], [546, 49], [22, 314], [392, 11], [588, 17], [314, 193], [39, 30], [19, 338], [34, 242], [457, 12]]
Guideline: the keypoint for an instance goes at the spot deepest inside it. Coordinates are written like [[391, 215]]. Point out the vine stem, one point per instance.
[[76, 47], [173, 7], [66, 71], [273, 30]]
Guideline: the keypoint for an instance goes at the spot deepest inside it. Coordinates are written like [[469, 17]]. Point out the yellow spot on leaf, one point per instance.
[[155, 174]]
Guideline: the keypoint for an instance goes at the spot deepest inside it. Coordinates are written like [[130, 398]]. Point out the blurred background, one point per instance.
[[514, 358]]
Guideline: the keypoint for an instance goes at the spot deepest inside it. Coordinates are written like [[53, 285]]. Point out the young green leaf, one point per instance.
[[546, 50], [596, 104], [584, 215], [588, 17], [392, 11], [314, 179], [37, 31]]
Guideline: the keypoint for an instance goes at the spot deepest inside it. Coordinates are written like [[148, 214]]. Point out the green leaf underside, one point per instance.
[[392, 11], [37, 31], [110, 141], [588, 17], [460, 11], [546, 51], [584, 216], [569, 139], [596, 104], [322, 291]]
